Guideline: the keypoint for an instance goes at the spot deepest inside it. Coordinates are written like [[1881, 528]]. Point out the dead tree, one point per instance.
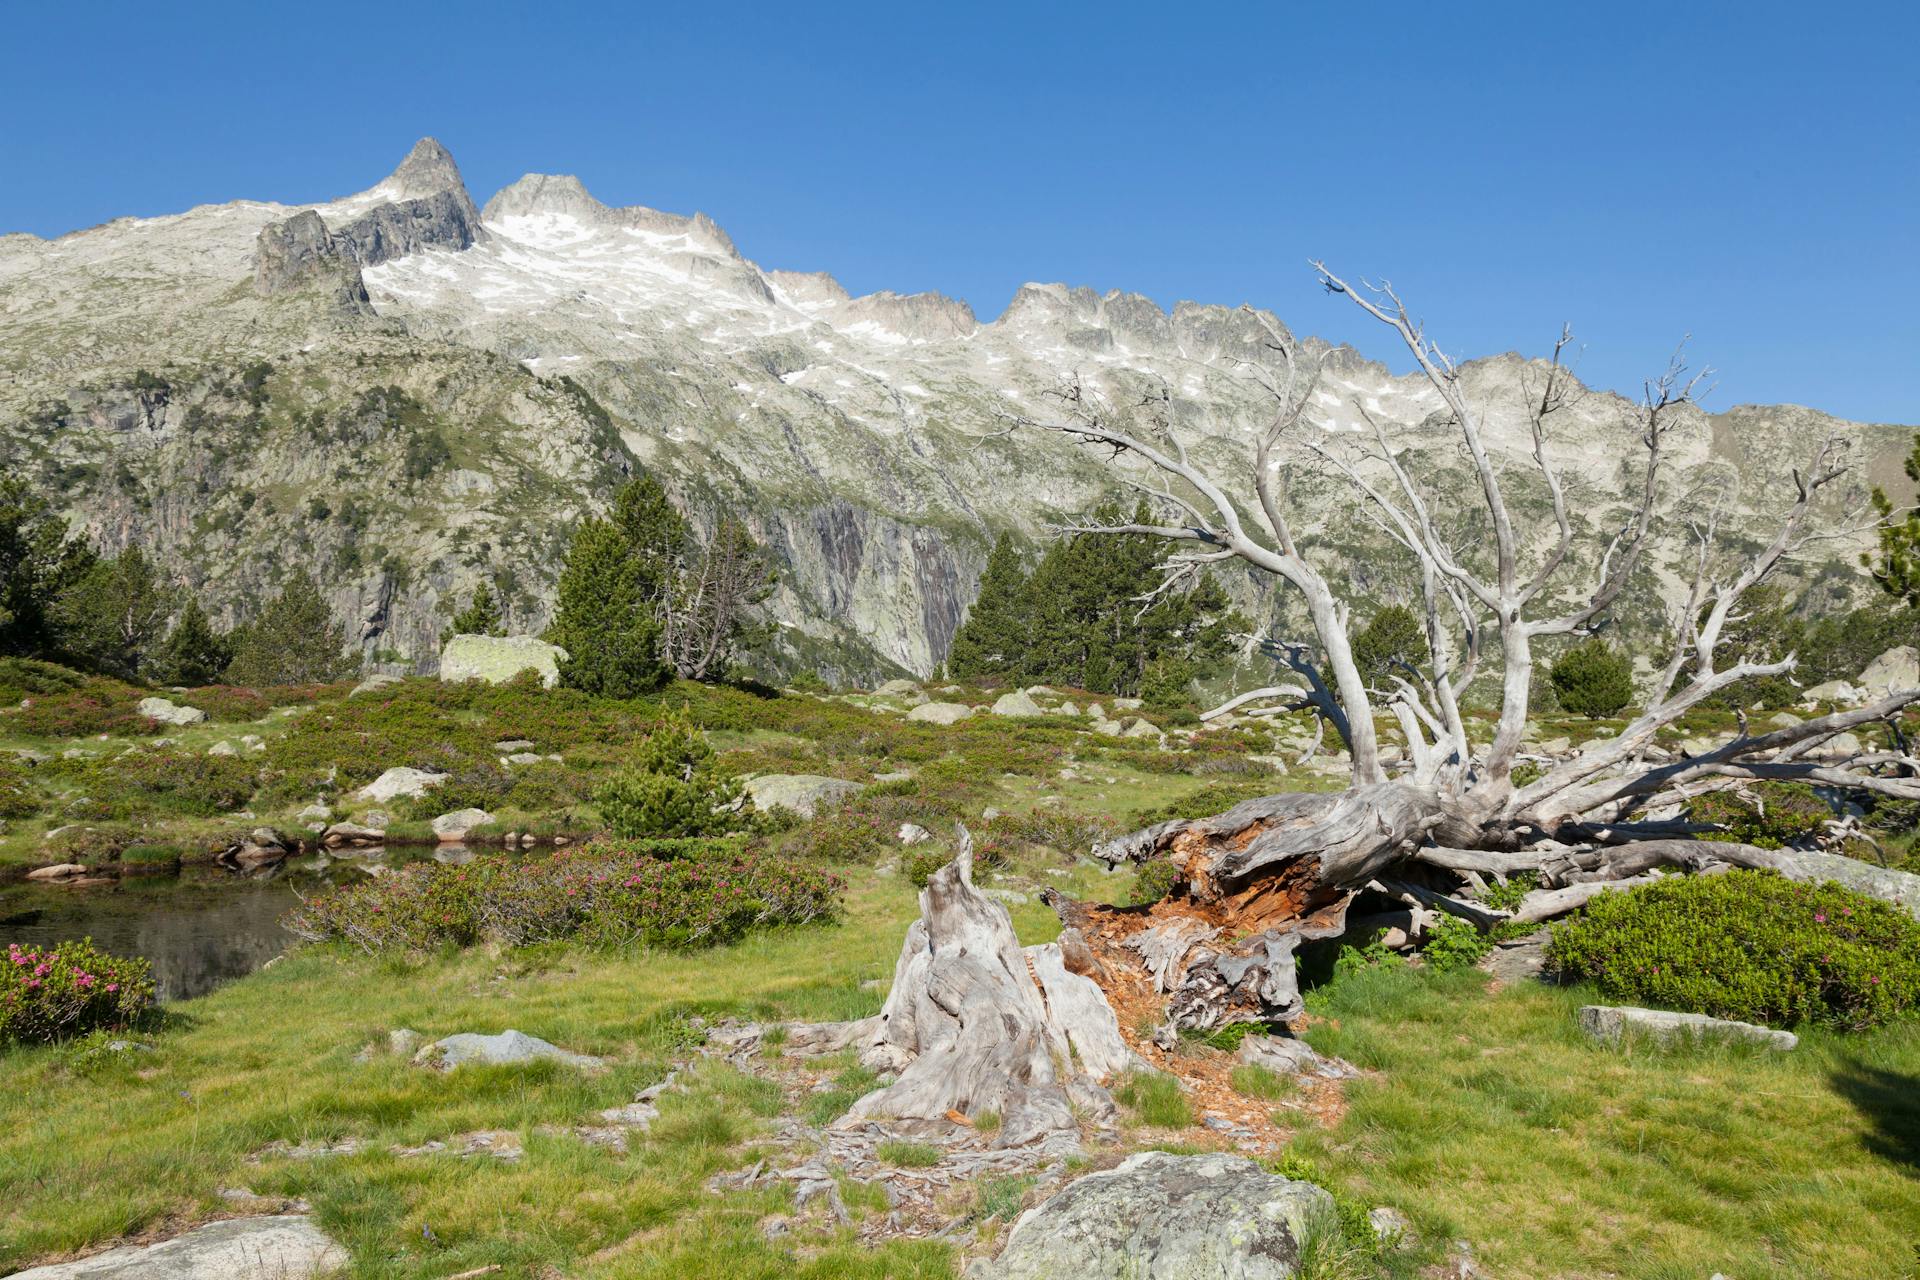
[[1421, 832]]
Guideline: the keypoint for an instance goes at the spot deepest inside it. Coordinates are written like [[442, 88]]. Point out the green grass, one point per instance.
[[907, 1155], [1495, 1120], [1260, 1082], [1155, 1100]]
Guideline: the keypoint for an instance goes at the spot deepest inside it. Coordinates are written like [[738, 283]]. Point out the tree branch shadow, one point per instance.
[[1890, 1103]]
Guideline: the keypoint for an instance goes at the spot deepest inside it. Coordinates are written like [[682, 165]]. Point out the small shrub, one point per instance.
[[69, 990], [137, 784], [1215, 797], [920, 864], [1152, 882], [1155, 1098], [1452, 944], [1001, 1199], [153, 856], [673, 787], [17, 799], [1593, 679], [1749, 945], [1507, 895], [1771, 815]]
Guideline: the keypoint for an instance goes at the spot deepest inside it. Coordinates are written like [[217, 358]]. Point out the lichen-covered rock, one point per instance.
[[403, 781], [897, 689], [454, 826], [1164, 1217], [1017, 703], [1611, 1022], [166, 712], [498, 659], [1897, 668], [801, 793], [279, 1247], [940, 712]]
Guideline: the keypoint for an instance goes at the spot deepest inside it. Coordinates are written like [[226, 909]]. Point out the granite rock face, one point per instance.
[[1164, 1217], [280, 1247]]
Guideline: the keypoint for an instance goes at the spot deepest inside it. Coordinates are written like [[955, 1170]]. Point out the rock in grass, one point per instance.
[[897, 688], [498, 659], [1611, 1022], [281, 1246], [58, 871], [1017, 703], [507, 1047], [1286, 1056], [166, 712], [450, 828], [403, 781], [940, 712], [1161, 1217], [801, 793]]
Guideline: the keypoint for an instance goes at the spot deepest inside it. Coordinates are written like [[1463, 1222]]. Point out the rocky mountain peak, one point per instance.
[[428, 169], [545, 193]]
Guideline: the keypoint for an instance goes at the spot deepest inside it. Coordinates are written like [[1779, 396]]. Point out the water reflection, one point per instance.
[[201, 928]]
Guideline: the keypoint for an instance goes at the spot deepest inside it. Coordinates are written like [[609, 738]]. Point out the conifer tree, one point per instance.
[[481, 617], [993, 639], [194, 653], [37, 561], [113, 616], [1896, 564], [602, 617], [295, 640]]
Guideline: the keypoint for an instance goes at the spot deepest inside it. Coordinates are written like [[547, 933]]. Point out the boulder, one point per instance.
[[58, 871], [498, 659], [450, 828], [400, 782], [1839, 746], [897, 689], [1164, 1217], [374, 683], [1612, 1022], [940, 712], [279, 1247], [223, 748], [1285, 1056], [1017, 703], [913, 833], [345, 833], [507, 1047], [1783, 720], [801, 793], [1897, 668], [1066, 709], [1832, 691], [1109, 728], [165, 712], [1139, 727]]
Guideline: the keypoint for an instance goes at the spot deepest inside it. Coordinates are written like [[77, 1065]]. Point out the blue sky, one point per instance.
[[1745, 173]]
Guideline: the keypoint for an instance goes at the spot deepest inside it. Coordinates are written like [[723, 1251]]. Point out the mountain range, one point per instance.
[[402, 392]]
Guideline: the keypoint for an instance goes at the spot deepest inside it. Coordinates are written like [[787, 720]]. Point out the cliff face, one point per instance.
[[401, 393]]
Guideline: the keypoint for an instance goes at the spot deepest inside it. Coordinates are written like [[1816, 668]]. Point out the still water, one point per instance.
[[200, 928]]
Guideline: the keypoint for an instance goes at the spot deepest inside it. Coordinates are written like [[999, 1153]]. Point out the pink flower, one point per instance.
[[1819, 917], [113, 986], [84, 980]]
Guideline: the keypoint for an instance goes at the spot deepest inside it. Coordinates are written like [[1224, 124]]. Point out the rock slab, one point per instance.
[[165, 712], [1611, 1022], [507, 1047], [498, 659], [801, 793], [280, 1247], [940, 712], [1164, 1217], [400, 782]]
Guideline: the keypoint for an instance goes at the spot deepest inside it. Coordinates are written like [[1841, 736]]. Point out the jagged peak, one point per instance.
[[803, 287], [428, 168], [545, 193]]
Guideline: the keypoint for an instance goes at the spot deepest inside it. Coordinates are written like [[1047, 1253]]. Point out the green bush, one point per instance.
[[1593, 679], [609, 893], [1771, 815], [1749, 945], [1156, 1098], [69, 990], [17, 799], [1215, 797], [673, 787], [921, 863], [137, 784], [150, 856], [1152, 882], [1452, 944]]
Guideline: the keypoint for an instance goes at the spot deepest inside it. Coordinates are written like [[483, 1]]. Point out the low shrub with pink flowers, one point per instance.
[[1751, 945], [68, 990], [609, 893]]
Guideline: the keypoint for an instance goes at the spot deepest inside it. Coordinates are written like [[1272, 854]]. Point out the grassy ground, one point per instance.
[[1488, 1118]]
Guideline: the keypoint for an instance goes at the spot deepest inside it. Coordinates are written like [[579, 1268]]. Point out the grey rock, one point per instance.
[[58, 871], [1390, 1226], [403, 1042], [1017, 703], [351, 833], [1164, 1217], [1612, 1022], [451, 827], [1286, 1056], [940, 712], [277, 1247], [506, 1047], [498, 659], [897, 688], [911, 833], [1896, 669], [223, 748], [801, 793], [513, 744], [163, 711], [374, 683], [402, 781]]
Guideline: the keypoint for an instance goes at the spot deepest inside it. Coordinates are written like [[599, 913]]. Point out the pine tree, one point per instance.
[[1393, 640], [37, 562], [1593, 679], [993, 639], [194, 653], [113, 616], [481, 617], [602, 619], [657, 535], [294, 641], [1896, 565]]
